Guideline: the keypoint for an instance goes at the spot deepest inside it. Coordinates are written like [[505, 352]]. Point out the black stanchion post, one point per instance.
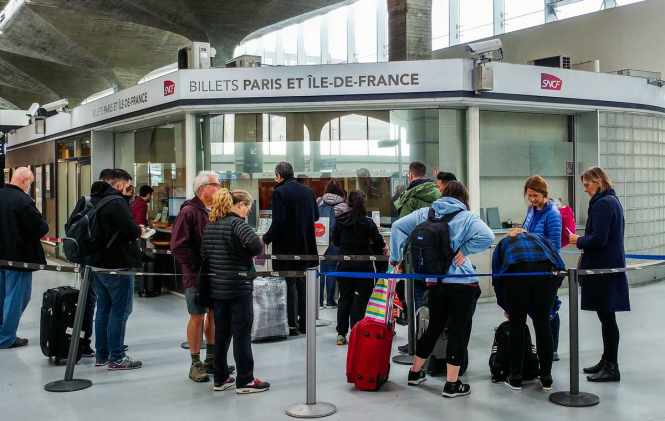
[[70, 384], [311, 408], [574, 398], [407, 359]]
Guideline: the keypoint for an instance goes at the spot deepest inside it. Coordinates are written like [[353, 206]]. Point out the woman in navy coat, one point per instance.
[[602, 246]]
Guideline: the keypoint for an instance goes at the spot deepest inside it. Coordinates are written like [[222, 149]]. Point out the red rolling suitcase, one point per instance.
[[368, 357]]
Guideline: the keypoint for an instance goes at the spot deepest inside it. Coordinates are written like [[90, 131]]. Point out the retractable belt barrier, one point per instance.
[[311, 408]]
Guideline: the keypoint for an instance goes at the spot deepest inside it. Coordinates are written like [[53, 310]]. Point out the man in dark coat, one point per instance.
[[186, 240], [21, 228], [294, 212]]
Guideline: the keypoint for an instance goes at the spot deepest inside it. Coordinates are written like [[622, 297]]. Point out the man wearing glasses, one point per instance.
[[186, 247]]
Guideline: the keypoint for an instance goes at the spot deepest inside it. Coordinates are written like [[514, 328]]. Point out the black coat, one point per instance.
[[602, 246], [115, 217], [229, 246], [21, 227], [358, 238], [294, 212]]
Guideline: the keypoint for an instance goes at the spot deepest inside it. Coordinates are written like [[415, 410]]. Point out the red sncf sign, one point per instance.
[[169, 87], [550, 82]]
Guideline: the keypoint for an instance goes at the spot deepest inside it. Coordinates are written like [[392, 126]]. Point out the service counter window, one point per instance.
[[365, 150], [155, 157], [514, 146]]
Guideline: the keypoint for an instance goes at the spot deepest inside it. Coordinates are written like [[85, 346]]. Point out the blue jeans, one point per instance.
[[15, 292], [328, 284], [113, 300]]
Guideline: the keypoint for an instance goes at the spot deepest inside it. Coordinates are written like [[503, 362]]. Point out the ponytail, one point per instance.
[[223, 201]]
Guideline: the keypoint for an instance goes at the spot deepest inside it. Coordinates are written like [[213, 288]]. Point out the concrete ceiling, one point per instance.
[[53, 49]]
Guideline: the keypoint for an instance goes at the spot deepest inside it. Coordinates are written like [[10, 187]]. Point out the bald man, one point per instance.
[[21, 228]]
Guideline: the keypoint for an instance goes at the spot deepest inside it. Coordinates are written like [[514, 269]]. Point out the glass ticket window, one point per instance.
[[365, 150], [155, 156], [73, 175]]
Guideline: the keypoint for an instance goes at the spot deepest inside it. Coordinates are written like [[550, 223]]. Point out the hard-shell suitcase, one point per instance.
[[270, 316], [57, 319], [368, 357]]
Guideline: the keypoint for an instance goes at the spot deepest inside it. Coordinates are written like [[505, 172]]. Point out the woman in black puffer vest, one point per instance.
[[229, 245]]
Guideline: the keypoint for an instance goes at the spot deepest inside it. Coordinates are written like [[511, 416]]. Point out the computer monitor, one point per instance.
[[493, 219]]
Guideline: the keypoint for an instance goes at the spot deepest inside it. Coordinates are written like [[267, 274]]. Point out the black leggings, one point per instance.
[[533, 296], [610, 330], [450, 305], [354, 294]]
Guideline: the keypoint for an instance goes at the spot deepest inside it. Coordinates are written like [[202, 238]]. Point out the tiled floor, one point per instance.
[[161, 390]]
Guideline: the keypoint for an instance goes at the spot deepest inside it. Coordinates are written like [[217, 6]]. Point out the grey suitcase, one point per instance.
[[270, 316]]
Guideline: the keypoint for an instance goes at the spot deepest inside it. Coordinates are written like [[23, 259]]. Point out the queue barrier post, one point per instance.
[[407, 359], [320, 322], [69, 383], [573, 397], [311, 408]]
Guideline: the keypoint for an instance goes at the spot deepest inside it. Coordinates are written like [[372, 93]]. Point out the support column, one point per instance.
[[499, 17], [190, 153], [410, 29], [550, 11], [473, 157], [453, 22]]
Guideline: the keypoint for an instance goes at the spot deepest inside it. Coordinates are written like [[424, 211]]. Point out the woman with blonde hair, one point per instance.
[[602, 247], [229, 246]]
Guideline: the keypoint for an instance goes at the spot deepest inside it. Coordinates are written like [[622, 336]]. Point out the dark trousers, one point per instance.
[[610, 330], [555, 326], [295, 303], [233, 319], [449, 305], [354, 295], [533, 296], [89, 317], [327, 290]]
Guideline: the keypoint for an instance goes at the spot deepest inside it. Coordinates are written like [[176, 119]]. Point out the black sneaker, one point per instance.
[[220, 387], [417, 377], [513, 383], [87, 352], [455, 390], [404, 349], [546, 381], [555, 357], [256, 386], [19, 343]]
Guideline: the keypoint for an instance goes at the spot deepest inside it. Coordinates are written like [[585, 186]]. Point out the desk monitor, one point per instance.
[[493, 219]]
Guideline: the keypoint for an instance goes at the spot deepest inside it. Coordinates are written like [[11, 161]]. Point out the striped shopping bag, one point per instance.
[[380, 305]]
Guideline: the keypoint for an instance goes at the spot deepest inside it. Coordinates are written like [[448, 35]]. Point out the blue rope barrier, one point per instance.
[[375, 275]]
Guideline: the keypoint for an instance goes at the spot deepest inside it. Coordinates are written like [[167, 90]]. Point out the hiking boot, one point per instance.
[[341, 340], [455, 390], [197, 373], [513, 383], [256, 386], [417, 377], [226, 385], [125, 364], [19, 343], [546, 381], [609, 373], [594, 368]]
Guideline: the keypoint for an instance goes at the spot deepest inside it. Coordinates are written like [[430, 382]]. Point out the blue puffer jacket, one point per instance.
[[546, 222]]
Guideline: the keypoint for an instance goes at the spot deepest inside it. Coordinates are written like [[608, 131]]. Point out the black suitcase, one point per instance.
[[57, 320]]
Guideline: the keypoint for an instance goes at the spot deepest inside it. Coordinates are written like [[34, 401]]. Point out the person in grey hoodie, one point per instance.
[[452, 301], [331, 205]]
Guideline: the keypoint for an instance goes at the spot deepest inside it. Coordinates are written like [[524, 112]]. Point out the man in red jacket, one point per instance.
[[139, 206], [186, 247]]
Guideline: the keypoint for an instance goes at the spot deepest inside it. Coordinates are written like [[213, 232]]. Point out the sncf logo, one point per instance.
[[169, 87], [550, 82]]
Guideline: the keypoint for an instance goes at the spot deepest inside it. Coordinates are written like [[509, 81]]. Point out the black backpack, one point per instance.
[[80, 239], [500, 355], [428, 249]]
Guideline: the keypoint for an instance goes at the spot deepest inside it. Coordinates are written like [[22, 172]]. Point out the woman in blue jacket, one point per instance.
[[602, 246], [543, 218], [452, 301]]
